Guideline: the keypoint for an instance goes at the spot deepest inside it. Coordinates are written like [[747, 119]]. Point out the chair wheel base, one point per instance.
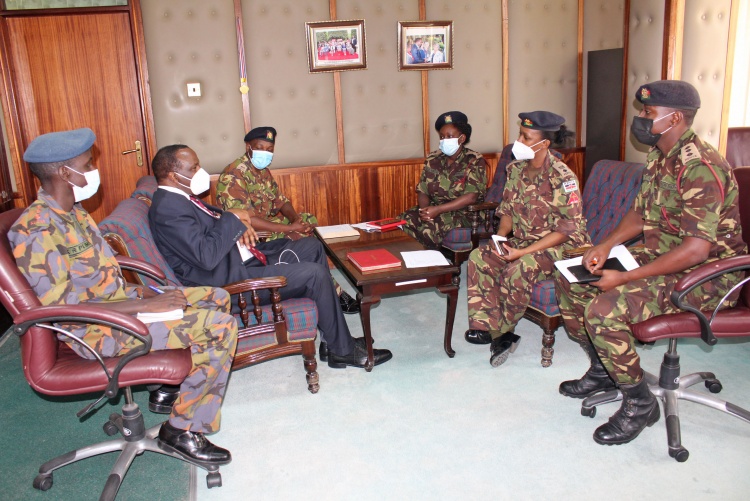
[[213, 479], [588, 411], [713, 385], [681, 454], [43, 482]]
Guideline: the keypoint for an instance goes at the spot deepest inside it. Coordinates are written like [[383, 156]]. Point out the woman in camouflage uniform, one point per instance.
[[453, 178], [542, 207]]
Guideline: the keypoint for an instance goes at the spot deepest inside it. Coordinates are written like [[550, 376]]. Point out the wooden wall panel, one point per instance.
[[352, 193]]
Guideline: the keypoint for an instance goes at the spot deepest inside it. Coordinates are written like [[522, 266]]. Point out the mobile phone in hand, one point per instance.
[[497, 239]]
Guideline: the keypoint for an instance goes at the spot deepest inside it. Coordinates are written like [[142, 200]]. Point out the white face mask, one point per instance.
[[449, 146], [200, 182], [92, 185], [261, 159], [523, 152]]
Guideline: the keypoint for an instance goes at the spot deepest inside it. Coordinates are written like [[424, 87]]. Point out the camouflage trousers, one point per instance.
[[605, 317], [210, 332], [499, 292], [431, 233], [306, 218], [281, 219]]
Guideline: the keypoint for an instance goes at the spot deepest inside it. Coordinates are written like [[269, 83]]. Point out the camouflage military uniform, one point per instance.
[[443, 183], [66, 260], [499, 292], [242, 186], [690, 199]]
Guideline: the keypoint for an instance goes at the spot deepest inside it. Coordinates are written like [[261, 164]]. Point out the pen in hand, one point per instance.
[[159, 291]]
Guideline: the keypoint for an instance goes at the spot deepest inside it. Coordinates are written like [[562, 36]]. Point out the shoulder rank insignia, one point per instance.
[[688, 153]]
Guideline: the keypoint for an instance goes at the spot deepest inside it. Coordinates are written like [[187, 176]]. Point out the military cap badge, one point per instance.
[[645, 93], [269, 135], [527, 122], [448, 119]]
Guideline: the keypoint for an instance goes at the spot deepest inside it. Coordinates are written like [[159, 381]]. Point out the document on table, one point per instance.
[[423, 259]]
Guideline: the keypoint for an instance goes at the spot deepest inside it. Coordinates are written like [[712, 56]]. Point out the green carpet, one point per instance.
[[35, 428]]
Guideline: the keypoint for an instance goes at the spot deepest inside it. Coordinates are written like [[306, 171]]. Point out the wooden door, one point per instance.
[[70, 69]]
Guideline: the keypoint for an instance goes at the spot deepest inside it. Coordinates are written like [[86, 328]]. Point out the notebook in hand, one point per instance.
[[584, 276], [390, 223], [373, 260]]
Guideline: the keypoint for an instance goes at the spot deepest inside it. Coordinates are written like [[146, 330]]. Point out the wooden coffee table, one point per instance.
[[371, 286]]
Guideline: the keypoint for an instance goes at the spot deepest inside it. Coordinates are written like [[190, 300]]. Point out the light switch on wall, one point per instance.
[[194, 89]]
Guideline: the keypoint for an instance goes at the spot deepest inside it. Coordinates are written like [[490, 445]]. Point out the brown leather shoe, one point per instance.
[[193, 446]]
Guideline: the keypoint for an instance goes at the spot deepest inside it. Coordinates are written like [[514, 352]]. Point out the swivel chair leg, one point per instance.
[[135, 441]]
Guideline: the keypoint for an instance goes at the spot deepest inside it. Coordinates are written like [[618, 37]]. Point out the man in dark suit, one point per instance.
[[200, 243]]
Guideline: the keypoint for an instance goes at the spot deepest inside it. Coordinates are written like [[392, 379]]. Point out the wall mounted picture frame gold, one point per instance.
[[336, 45], [425, 45]]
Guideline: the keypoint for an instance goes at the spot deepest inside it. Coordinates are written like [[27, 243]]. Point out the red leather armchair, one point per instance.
[[52, 368], [710, 326]]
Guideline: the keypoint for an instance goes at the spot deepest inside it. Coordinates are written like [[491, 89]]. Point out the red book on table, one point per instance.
[[390, 223], [374, 260]]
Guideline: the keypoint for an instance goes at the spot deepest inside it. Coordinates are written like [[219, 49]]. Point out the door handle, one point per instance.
[[138, 153]]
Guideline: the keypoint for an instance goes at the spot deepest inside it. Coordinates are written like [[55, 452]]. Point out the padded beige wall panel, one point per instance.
[[283, 94], [603, 22], [644, 62], [475, 84], [704, 60], [543, 59], [382, 106], [195, 41]]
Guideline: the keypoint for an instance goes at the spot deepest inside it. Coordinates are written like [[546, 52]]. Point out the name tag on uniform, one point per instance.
[[667, 186], [74, 250], [571, 185]]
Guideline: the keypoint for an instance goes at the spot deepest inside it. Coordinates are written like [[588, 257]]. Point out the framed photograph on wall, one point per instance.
[[336, 45], [425, 45]]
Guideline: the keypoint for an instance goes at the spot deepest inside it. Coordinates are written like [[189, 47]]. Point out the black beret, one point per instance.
[[264, 133], [450, 117], [541, 120], [669, 93], [59, 146]]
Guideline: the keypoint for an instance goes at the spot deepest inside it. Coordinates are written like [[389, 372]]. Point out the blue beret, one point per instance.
[[264, 133], [59, 146], [670, 93], [450, 117], [541, 120]]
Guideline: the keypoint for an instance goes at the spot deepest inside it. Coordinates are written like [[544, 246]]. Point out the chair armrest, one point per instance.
[[254, 284], [142, 267], [698, 277], [482, 206], [86, 313]]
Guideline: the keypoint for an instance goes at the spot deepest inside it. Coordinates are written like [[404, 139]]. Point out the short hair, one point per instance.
[[165, 160], [465, 130], [44, 171], [689, 116]]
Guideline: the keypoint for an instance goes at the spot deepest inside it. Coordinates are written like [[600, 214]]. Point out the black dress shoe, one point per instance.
[[502, 347], [323, 348], [161, 401], [193, 446], [475, 336], [358, 356], [348, 304]]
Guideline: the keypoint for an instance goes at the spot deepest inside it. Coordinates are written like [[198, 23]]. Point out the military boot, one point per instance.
[[595, 380], [639, 409]]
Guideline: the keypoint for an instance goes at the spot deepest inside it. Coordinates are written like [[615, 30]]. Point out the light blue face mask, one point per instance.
[[261, 159]]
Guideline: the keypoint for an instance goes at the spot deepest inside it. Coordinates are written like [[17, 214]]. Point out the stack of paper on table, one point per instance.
[[162, 316], [381, 225], [424, 258], [337, 231], [619, 259], [373, 260]]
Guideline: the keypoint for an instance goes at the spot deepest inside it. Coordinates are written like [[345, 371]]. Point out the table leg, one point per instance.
[[452, 292], [366, 303]]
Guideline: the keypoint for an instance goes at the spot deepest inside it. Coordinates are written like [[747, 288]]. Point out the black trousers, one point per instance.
[[303, 263]]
